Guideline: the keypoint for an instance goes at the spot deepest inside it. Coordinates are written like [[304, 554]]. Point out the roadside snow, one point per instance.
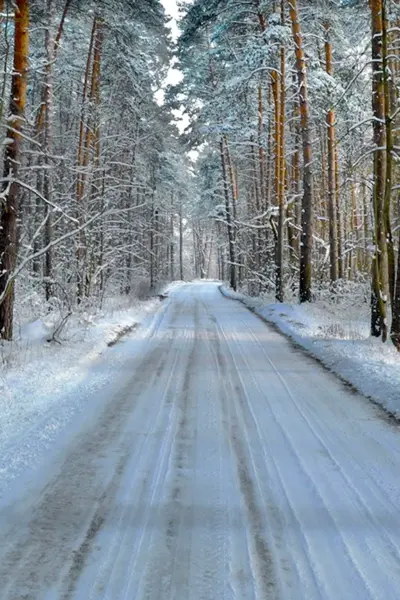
[[44, 385], [218, 462], [338, 335]]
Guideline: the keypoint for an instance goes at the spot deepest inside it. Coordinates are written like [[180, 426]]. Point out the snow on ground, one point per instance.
[[219, 462], [337, 333], [44, 385]]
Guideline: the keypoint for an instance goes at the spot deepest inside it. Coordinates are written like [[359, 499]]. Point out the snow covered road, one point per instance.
[[224, 464]]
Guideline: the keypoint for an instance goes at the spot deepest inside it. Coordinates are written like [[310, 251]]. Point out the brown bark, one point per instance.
[[276, 92], [308, 192], [41, 116], [171, 249], [10, 203], [270, 168], [269, 172], [254, 257], [260, 145], [279, 293], [61, 25], [380, 263], [180, 242], [94, 97], [366, 230], [388, 84], [339, 220], [79, 189], [91, 145], [233, 185], [228, 217], [48, 147], [294, 186], [395, 329], [355, 229], [332, 200], [151, 244], [322, 191], [295, 167], [5, 64], [392, 128]]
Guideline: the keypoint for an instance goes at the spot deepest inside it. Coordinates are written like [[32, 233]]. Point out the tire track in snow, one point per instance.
[[124, 517], [120, 562], [328, 514], [294, 573], [349, 489], [240, 575], [340, 459], [260, 554], [70, 500], [351, 543], [209, 574], [226, 474], [167, 569]]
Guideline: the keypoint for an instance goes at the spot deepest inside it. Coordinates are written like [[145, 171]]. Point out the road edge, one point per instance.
[[389, 416]]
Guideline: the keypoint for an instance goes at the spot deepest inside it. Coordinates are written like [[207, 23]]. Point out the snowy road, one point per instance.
[[223, 465]]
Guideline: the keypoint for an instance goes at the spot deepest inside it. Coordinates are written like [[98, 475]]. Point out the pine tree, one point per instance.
[[11, 189]]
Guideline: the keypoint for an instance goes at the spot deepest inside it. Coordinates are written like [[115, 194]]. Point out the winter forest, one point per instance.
[[271, 164], [200, 299]]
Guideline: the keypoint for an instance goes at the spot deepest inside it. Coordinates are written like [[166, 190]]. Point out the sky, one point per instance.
[[171, 8], [174, 75]]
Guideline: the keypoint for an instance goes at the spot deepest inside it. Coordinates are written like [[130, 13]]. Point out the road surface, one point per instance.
[[225, 464]]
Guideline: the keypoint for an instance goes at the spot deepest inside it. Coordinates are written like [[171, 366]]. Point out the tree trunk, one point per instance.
[[261, 165], [393, 140], [323, 211], [79, 182], [171, 249], [228, 217], [388, 83], [255, 209], [339, 220], [380, 262], [88, 141], [295, 169], [5, 66], [48, 145], [279, 293], [10, 202], [330, 122], [366, 228], [81, 243], [395, 329], [180, 243], [41, 116], [152, 246], [233, 186], [276, 94], [307, 203]]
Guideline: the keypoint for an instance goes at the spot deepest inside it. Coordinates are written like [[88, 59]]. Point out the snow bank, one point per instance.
[[44, 385], [338, 335]]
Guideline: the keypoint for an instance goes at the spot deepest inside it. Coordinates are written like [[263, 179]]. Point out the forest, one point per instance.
[[284, 178], [200, 299]]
